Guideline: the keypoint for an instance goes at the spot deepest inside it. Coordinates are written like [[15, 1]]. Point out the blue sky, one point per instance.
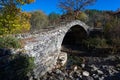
[[48, 6]]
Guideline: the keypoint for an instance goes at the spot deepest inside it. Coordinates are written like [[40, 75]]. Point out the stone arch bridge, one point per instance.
[[46, 46]]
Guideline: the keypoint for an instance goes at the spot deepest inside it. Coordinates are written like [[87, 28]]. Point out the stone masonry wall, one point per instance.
[[45, 46]]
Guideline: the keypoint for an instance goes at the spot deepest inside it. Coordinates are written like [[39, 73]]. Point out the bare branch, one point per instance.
[[73, 5]]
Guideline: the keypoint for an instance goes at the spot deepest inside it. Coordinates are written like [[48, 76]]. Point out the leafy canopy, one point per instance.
[[38, 20], [12, 20]]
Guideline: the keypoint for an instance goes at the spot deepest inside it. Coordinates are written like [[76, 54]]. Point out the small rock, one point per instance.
[[63, 58], [78, 72], [71, 77], [101, 78], [58, 71], [85, 73], [75, 75], [57, 66], [94, 67], [49, 72], [100, 72], [75, 68], [61, 78], [83, 65], [63, 74], [78, 79], [96, 76], [66, 74], [115, 71], [93, 74], [104, 67], [87, 78], [31, 78], [110, 72], [71, 73], [118, 65]]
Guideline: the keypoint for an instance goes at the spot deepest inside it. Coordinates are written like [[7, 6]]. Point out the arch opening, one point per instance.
[[73, 38]]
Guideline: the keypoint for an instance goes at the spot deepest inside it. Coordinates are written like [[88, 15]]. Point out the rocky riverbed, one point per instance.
[[87, 68]]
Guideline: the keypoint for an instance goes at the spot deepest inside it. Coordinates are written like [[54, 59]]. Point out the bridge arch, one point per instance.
[[74, 35], [76, 31]]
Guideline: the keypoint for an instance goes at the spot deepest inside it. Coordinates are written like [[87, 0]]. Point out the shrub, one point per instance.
[[12, 19], [9, 42], [19, 67], [53, 18], [38, 20], [95, 43], [82, 16], [75, 60]]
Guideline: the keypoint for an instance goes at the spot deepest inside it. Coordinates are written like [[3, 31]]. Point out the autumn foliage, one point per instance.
[[12, 19]]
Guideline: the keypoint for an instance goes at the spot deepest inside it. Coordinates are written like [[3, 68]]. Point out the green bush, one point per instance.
[[39, 20], [19, 67], [75, 60], [82, 16], [53, 18], [9, 42], [95, 43]]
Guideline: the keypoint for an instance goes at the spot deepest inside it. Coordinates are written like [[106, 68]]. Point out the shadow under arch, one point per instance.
[[73, 38]]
